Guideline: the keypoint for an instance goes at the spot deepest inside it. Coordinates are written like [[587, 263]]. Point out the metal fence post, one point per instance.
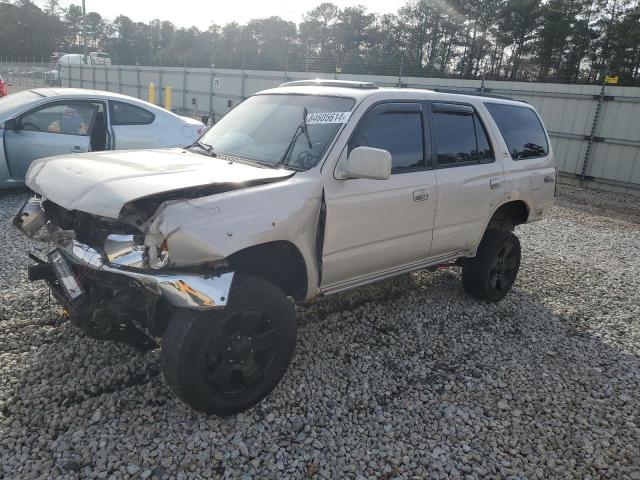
[[106, 80], [160, 85], [138, 78], [119, 79], [184, 85], [286, 59], [93, 76], [592, 134], [243, 75], [81, 75], [400, 73], [211, 112]]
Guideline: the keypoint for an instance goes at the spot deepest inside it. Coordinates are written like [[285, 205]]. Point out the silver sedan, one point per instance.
[[58, 121]]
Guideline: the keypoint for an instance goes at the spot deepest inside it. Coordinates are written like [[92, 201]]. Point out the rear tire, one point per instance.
[[491, 273], [226, 361]]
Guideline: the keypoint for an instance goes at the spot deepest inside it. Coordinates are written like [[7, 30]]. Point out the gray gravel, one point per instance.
[[409, 378]]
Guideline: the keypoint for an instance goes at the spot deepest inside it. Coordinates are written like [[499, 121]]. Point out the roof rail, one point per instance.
[[321, 82], [475, 94]]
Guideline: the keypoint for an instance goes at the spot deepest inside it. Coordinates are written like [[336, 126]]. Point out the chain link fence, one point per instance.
[[22, 73]]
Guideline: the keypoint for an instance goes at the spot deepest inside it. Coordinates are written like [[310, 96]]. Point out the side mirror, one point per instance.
[[367, 162], [10, 124]]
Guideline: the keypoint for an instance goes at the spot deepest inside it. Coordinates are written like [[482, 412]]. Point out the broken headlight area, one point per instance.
[[130, 251], [121, 243], [89, 229], [125, 250]]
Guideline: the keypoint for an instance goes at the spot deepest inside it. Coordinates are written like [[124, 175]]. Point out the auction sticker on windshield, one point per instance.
[[328, 117]]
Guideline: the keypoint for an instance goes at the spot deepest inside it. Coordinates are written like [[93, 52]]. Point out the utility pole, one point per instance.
[[84, 30]]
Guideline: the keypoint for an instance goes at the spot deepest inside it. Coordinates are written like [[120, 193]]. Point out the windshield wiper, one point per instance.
[[301, 128], [204, 146]]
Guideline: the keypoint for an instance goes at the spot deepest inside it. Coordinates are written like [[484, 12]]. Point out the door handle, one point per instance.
[[420, 195], [495, 183], [78, 149]]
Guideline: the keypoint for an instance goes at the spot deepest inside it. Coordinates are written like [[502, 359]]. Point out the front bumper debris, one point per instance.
[[123, 259], [180, 289]]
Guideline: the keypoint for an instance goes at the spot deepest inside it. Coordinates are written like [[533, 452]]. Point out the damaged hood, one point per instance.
[[102, 183]]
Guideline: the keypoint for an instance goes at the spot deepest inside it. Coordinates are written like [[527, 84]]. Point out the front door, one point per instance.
[[54, 129], [373, 226]]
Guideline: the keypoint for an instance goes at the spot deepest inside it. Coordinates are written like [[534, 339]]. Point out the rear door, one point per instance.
[[57, 128], [470, 177], [133, 128]]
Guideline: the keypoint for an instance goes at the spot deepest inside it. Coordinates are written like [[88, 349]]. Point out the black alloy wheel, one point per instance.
[[492, 272], [226, 361]]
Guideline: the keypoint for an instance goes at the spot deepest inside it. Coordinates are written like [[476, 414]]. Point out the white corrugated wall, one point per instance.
[[567, 110]]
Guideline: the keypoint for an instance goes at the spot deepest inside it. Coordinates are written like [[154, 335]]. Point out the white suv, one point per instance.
[[309, 189]]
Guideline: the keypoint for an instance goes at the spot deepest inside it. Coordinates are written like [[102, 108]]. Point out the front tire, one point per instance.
[[226, 361], [492, 272]]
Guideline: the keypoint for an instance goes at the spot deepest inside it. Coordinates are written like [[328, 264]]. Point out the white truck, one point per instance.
[[312, 188], [60, 61]]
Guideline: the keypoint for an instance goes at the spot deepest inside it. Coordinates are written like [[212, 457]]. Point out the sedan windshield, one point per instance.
[[268, 129], [17, 100]]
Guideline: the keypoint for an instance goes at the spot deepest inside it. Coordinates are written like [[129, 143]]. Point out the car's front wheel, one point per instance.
[[492, 272], [226, 361]]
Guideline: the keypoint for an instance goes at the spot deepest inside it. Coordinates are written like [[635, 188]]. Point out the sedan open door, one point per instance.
[[58, 128]]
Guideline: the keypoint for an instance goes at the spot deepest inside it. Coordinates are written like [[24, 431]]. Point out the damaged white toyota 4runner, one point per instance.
[[308, 189]]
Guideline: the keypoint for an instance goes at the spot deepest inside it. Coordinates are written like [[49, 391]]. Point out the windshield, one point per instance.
[[17, 100], [266, 128]]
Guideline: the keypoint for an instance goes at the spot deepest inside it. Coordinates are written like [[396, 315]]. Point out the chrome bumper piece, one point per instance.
[[183, 290]]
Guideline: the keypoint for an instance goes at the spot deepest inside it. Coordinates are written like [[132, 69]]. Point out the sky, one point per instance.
[[201, 13]]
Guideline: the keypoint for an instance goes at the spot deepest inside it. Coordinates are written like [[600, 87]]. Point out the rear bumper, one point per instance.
[[180, 289]]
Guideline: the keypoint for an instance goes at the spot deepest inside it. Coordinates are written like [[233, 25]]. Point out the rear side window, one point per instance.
[[126, 114], [400, 132], [521, 130], [460, 136]]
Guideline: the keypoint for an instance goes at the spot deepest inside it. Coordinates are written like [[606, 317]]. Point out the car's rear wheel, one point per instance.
[[492, 272], [226, 361]]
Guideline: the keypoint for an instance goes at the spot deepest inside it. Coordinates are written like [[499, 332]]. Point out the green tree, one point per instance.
[[72, 19], [95, 28]]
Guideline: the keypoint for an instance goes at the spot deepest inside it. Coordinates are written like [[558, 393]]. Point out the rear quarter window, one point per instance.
[[127, 114], [521, 129]]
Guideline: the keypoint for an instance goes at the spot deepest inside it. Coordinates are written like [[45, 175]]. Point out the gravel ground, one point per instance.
[[406, 378]]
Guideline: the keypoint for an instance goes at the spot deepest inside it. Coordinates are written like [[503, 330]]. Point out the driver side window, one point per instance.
[[397, 128], [64, 118]]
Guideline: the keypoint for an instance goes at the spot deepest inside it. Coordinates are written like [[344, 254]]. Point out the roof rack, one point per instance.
[[475, 94], [320, 82]]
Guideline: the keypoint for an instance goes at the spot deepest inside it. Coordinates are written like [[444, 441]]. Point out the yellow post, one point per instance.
[[152, 93], [168, 91]]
